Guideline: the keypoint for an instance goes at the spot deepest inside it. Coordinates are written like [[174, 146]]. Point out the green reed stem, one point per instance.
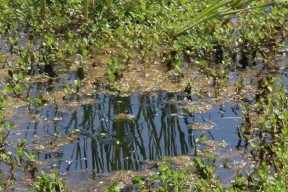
[[218, 9], [86, 10], [43, 9]]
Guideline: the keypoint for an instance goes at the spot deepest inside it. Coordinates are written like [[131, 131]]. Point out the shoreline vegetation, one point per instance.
[[222, 50]]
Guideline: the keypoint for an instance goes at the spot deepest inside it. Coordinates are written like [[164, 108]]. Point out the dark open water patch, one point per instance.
[[122, 132]]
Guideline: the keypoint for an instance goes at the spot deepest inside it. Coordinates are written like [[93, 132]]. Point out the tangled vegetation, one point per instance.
[[48, 39], [264, 127]]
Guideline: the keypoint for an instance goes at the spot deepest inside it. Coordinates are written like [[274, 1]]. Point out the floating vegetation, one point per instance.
[[97, 87], [123, 116], [200, 126]]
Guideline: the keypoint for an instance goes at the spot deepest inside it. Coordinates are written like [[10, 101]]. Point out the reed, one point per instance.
[[86, 8], [218, 9], [43, 9]]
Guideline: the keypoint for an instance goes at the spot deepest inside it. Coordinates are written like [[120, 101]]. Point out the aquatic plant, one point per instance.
[[217, 9], [85, 8], [49, 183], [114, 69], [166, 179], [264, 128], [43, 8], [39, 38]]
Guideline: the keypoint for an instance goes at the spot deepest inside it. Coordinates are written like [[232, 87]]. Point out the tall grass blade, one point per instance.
[[218, 9], [85, 11], [43, 9]]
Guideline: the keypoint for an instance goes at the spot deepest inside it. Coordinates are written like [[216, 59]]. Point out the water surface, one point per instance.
[[158, 125]]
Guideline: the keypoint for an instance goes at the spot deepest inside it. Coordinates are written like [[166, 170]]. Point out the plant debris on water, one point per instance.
[[143, 96]]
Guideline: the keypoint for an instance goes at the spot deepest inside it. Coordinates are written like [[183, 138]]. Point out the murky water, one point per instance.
[[158, 125], [124, 132]]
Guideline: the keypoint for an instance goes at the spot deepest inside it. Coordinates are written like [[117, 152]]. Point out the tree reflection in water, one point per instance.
[[159, 128]]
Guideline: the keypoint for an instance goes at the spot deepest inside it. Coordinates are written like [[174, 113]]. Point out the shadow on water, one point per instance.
[[119, 133]]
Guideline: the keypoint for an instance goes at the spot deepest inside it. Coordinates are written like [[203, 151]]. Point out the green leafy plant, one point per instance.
[[204, 166], [166, 179], [214, 37], [114, 69], [49, 183], [114, 187]]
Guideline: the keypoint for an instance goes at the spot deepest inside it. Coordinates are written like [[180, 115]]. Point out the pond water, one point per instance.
[[87, 141], [123, 132]]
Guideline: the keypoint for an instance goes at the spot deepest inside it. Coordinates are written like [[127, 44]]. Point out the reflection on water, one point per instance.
[[105, 143]]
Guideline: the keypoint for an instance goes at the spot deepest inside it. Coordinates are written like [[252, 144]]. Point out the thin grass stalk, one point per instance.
[[211, 8], [215, 13], [86, 8], [43, 9], [208, 11]]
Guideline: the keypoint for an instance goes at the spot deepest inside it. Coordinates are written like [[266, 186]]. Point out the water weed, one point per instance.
[[56, 51]]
